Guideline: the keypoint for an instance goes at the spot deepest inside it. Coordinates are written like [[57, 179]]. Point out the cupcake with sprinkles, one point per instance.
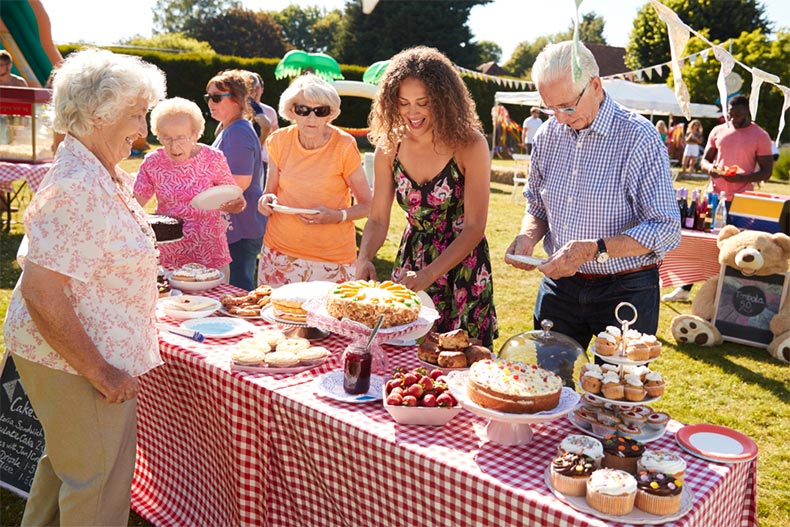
[[663, 461], [622, 452], [570, 471], [658, 493]]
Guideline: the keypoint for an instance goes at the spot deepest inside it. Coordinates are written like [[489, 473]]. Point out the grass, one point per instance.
[[731, 385]]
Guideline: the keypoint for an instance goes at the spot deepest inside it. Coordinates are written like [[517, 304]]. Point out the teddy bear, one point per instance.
[[752, 253]]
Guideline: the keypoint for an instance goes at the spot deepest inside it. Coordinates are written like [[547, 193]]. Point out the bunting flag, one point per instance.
[[678, 38], [576, 52], [727, 62], [785, 106], [758, 77]]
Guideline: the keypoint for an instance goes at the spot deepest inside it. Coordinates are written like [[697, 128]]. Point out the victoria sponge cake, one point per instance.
[[513, 387]]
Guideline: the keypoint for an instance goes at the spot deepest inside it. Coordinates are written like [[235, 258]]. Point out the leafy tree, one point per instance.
[[310, 29], [171, 41], [590, 30], [242, 33], [394, 26], [173, 16], [719, 20], [524, 56], [489, 51]]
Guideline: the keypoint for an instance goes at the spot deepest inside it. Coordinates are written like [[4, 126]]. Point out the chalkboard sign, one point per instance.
[[21, 435], [745, 306]]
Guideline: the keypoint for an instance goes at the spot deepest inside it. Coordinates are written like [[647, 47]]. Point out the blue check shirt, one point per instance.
[[608, 179]]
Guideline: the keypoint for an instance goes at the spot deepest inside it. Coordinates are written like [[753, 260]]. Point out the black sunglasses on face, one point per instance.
[[216, 97], [303, 111]]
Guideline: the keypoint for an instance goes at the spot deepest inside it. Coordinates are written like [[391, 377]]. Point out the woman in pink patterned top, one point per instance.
[[176, 174], [80, 322]]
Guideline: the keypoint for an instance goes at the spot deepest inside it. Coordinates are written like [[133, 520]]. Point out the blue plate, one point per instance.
[[219, 327], [331, 385]]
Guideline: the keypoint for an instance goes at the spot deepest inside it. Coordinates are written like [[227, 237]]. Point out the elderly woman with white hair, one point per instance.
[[80, 323], [314, 169], [177, 173]]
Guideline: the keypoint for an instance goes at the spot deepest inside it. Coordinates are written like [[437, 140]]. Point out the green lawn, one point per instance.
[[731, 385]]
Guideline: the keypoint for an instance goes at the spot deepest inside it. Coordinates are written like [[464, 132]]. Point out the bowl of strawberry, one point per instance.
[[420, 397]]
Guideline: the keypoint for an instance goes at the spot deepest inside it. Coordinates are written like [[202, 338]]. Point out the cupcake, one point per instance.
[[616, 333], [584, 418], [579, 444], [609, 417], [637, 350], [591, 381], [570, 471], [614, 368], [654, 384], [657, 421], [633, 389], [605, 344], [624, 430], [642, 409], [591, 366], [611, 491], [603, 430], [663, 461], [658, 493], [653, 345], [621, 453], [632, 418], [611, 387]]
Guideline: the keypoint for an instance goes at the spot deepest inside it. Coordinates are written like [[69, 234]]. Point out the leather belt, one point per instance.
[[588, 276]]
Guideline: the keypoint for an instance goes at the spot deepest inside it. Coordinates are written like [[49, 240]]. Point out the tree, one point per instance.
[[394, 26], [242, 33], [310, 29], [171, 42], [590, 30], [524, 56], [489, 51], [173, 16], [648, 43]]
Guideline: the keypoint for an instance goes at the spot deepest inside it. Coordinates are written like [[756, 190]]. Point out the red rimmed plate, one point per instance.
[[716, 443]]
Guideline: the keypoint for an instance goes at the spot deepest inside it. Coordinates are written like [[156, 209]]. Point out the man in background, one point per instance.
[[265, 120], [6, 77], [531, 125]]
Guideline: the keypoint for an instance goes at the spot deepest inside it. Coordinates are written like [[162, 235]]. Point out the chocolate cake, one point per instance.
[[166, 228]]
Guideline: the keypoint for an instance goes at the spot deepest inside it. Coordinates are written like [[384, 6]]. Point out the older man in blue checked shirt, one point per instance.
[[600, 197]]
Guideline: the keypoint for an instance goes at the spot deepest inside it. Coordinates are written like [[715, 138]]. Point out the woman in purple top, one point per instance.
[[227, 95]]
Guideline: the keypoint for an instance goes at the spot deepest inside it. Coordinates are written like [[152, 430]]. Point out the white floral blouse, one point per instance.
[[79, 224]]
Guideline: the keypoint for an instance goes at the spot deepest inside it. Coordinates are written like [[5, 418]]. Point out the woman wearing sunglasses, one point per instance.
[[432, 156], [314, 169], [178, 172], [227, 95]]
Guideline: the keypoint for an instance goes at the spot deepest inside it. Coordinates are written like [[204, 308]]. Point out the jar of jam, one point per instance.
[[357, 361]]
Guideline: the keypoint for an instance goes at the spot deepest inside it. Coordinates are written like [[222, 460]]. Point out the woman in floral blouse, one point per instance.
[[432, 156]]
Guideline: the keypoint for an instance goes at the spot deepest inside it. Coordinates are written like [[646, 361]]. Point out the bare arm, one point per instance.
[[269, 197], [572, 255], [378, 223], [55, 319]]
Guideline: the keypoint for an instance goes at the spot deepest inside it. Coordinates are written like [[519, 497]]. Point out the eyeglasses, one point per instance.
[[320, 111], [181, 139], [216, 97], [567, 110]]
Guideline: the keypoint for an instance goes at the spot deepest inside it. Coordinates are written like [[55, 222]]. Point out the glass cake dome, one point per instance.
[[549, 350]]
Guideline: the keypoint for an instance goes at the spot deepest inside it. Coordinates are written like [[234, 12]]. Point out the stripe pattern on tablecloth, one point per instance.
[[695, 260]]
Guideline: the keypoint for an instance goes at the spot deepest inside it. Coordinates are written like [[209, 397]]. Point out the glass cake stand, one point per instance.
[[507, 428]]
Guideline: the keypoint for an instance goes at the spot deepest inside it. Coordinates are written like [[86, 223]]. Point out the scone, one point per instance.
[[475, 353], [454, 340], [452, 359], [428, 352]]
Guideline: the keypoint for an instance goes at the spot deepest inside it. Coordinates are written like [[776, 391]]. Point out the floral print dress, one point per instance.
[[464, 297]]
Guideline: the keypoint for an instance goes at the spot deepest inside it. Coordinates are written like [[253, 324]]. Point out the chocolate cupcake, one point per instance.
[[622, 452]]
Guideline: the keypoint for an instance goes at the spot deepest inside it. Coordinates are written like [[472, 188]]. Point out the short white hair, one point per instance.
[[178, 106], [94, 85], [555, 63], [312, 88]]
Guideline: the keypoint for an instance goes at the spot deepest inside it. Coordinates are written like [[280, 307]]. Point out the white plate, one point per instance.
[[293, 210], [331, 385], [219, 327], [215, 197], [636, 516], [615, 359], [647, 436], [410, 339], [529, 260], [624, 402], [275, 371], [179, 314], [194, 287]]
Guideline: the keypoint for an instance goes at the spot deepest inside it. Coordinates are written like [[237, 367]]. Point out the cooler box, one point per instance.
[[760, 211]]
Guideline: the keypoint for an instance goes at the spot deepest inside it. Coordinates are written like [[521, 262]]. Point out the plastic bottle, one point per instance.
[[720, 215]]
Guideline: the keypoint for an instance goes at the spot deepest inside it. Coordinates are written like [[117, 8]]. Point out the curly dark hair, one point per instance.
[[455, 120]]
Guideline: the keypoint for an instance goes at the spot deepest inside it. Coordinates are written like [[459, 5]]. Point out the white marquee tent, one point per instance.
[[648, 99]]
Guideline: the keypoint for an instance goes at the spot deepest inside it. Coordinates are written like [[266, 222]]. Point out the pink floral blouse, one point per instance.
[[205, 240], [79, 224]]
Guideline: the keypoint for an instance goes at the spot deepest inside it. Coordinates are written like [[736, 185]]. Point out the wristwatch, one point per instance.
[[601, 256]]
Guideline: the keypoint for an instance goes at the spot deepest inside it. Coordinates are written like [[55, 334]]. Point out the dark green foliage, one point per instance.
[[242, 33]]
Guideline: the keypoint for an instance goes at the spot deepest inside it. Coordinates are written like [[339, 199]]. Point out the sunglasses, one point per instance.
[[216, 97], [303, 111]]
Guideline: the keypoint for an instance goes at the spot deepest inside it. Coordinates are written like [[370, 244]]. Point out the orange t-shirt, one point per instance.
[[307, 179]]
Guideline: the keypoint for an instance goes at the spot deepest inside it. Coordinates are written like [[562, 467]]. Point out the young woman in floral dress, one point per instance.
[[432, 156]]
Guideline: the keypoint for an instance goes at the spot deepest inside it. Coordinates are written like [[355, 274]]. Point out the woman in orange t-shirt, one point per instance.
[[314, 168]]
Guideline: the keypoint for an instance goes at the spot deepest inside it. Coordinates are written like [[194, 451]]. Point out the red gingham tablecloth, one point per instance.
[[217, 447], [695, 260], [33, 174]]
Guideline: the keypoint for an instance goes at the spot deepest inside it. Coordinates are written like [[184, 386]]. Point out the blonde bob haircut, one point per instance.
[[555, 63], [313, 90], [97, 86], [178, 107]]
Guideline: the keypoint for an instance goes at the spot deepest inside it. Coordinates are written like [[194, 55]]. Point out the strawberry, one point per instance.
[[439, 387], [415, 390], [409, 400], [393, 383], [435, 374], [429, 400], [397, 391], [410, 378], [395, 399], [426, 382], [446, 399]]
